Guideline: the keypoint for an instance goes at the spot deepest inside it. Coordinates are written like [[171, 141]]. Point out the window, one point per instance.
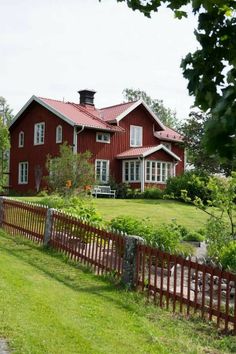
[[39, 130], [21, 139], [59, 134], [157, 171], [131, 171], [103, 137], [23, 173], [136, 136], [102, 170], [168, 145]]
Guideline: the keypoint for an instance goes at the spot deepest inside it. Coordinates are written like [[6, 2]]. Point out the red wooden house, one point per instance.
[[127, 141]]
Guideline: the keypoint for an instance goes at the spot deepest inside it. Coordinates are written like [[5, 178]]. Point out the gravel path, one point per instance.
[[4, 347]]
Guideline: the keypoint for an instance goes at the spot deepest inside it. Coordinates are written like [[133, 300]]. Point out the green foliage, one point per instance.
[[69, 173], [5, 112], [193, 130], [194, 183], [166, 115], [164, 236], [75, 206], [217, 237], [152, 193], [4, 146], [211, 69], [194, 236], [228, 256], [221, 208]]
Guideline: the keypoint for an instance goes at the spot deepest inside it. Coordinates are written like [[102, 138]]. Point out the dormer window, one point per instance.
[[21, 139], [59, 134], [136, 136], [103, 137]]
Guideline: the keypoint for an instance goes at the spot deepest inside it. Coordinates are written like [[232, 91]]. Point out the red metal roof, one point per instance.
[[169, 135], [110, 113], [80, 115], [145, 151], [135, 152]]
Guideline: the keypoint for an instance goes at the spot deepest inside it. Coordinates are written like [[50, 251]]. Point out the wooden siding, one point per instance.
[[120, 142], [35, 154]]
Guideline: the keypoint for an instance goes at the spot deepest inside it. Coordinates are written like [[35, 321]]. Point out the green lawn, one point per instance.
[[49, 305], [159, 211]]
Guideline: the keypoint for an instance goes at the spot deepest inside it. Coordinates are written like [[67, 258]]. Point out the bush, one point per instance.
[[218, 236], [227, 256], [194, 236], [194, 183], [152, 193], [166, 236], [75, 206]]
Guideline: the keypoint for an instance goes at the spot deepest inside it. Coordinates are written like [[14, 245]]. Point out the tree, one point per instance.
[[193, 130], [5, 112], [4, 146], [211, 69], [166, 115], [69, 172]]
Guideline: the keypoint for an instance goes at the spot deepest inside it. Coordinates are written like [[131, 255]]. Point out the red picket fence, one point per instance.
[[169, 280], [24, 219], [184, 285], [88, 244]]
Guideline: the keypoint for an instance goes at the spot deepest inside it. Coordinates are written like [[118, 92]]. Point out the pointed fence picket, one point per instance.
[[171, 281]]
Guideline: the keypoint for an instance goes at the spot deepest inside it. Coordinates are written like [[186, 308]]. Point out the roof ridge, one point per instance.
[[116, 105], [79, 107], [51, 99]]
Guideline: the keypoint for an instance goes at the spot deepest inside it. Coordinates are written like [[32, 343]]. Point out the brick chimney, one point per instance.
[[87, 97]]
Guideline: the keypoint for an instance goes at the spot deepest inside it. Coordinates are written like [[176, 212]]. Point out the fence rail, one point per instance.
[[189, 285], [172, 281], [85, 243], [24, 219]]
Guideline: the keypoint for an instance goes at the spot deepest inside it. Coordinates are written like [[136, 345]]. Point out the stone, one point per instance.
[[223, 286]]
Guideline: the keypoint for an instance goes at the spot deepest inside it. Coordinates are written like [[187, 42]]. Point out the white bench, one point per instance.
[[103, 190]]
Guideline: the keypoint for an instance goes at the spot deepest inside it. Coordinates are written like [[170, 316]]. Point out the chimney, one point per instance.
[[87, 97]]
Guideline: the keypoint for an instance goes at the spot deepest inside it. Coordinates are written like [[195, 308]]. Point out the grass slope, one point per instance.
[[159, 211], [49, 305]]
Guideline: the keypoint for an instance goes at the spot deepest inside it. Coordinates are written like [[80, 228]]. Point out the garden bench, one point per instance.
[[103, 190]]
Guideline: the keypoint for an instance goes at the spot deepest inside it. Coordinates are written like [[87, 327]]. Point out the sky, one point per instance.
[[54, 48]]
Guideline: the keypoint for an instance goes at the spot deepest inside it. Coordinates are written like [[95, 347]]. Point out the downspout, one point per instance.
[[75, 138]]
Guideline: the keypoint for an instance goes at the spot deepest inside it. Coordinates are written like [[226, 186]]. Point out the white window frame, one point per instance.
[[136, 136], [107, 162], [59, 134], [39, 136], [162, 167], [21, 139], [100, 137], [131, 163], [23, 172]]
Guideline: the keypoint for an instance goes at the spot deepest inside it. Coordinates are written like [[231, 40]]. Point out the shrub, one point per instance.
[[166, 236], [194, 236], [75, 206], [218, 236], [227, 256], [194, 183], [152, 193]]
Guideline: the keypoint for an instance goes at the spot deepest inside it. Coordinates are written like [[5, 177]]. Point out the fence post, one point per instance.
[[48, 226], [129, 275], [1, 210]]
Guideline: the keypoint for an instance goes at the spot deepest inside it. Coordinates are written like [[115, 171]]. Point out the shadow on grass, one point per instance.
[[104, 286]]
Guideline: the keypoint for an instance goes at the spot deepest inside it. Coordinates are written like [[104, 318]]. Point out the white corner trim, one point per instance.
[[45, 105], [135, 105]]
